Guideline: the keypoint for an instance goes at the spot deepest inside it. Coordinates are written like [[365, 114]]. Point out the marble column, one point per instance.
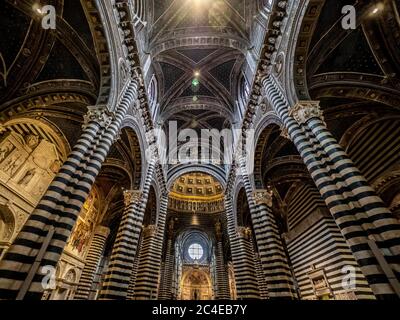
[[222, 279], [367, 225], [93, 259], [44, 235]]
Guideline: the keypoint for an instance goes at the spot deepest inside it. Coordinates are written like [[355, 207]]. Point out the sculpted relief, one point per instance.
[[27, 164]]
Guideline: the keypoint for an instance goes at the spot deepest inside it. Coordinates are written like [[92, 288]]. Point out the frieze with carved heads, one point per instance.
[[306, 110]]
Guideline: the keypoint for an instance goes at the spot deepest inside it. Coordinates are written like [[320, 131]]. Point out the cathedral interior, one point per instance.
[[302, 202]]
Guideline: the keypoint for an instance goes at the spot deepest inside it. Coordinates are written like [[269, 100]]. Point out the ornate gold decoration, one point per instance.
[[132, 196], [3, 128], [263, 197], [305, 110], [32, 141]]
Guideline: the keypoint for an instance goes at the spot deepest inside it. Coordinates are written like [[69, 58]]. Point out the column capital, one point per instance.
[[102, 230], [99, 114], [132, 196], [149, 230], [263, 196], [244, 232], [305, 110]]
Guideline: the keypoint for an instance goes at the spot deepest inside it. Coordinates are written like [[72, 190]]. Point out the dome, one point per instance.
[[196, 185]]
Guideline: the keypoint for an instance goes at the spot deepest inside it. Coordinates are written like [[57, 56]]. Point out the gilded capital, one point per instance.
[[263, 197], [305, 110], [132, 196]]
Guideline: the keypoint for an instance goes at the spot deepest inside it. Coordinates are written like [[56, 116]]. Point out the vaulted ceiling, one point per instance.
[[353, 72], [205, 36]]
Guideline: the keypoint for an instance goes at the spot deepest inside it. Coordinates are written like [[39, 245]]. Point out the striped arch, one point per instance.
[[237, 187], [152, 206], [137, 143], [105, 49], [261, 137]]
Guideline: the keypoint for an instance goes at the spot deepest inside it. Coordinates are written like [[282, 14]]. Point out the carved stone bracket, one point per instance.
[[132, 196], [305, 110], [98, 114], [285, 133], [263, 197]]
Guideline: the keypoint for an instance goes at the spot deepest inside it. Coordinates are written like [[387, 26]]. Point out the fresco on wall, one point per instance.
[[80, 237]]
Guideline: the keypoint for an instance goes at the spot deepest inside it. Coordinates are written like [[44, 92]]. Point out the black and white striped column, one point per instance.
[[93, 259], [132, 282], [371, 233], [272, 255], [242, 257], [166, 277], [262, 284], [222, 279], [271, 252], [148, 276], [43, 237], [118, 276]]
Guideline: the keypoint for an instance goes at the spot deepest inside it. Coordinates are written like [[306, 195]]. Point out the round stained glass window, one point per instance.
[[195, 251]]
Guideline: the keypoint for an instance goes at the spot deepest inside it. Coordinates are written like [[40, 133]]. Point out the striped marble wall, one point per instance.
[[315, 240]]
